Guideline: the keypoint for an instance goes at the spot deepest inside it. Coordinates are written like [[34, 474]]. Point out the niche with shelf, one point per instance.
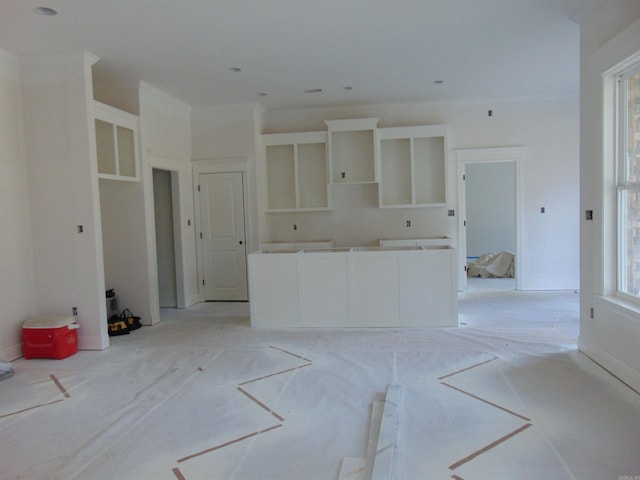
[[116, 143], [296, 172], [413, 166], [353, 150]]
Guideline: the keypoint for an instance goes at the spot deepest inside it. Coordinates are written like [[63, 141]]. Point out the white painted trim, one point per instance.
[[178, 167], [220, 165], [465, 156], [622, 372], [11, 352], [59, 58], [618, 53]]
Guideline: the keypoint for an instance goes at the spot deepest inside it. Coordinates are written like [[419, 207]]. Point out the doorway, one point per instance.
[[163, 198], [496, 193], [222, 236], [490, 195]]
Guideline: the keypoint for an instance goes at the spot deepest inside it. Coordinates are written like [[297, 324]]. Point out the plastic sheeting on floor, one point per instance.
[[203, 396], [492, 265]]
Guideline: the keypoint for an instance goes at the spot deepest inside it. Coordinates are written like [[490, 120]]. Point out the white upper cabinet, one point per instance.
[[116, 143], [413, 166], [353, 150], [296, 171]]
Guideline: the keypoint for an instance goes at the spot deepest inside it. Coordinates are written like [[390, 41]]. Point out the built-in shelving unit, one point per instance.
[[413, 166], [353, 150], [296, 172], [116, 143]]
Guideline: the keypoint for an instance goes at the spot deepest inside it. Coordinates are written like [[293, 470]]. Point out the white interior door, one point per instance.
[[223, 236]]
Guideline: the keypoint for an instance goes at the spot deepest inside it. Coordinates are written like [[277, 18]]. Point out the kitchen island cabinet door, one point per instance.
[[273, 283], [325, 294]]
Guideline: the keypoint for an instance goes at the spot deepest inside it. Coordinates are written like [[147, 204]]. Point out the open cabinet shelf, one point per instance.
[[296, 172], [413, 166], [353, 150], [116, 143]]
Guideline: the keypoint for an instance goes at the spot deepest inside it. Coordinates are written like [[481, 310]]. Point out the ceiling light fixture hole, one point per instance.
[[46, 11]]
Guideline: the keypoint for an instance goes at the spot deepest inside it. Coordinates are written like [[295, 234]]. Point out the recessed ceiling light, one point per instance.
[[313, 90], [49, 12], [438, 82], [235, 69]]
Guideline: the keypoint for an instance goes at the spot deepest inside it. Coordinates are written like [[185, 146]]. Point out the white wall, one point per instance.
[[228, 133], [17, 277], [547, 127], [123, 239], [609, 35], [491, 208], [63, 187]]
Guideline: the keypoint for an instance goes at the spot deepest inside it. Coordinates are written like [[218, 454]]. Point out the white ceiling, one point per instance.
[[386, 50]]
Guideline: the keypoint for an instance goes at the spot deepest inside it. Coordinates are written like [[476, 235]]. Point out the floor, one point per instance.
[[203, 396]]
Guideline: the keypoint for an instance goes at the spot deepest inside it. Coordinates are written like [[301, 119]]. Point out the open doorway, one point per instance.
[[163, 198], [493, 201], [491, 223]]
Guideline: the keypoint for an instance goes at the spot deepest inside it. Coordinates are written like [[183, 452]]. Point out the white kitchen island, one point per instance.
[[412, 286]]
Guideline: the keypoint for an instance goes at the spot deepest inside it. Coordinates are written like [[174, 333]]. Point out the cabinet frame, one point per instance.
[[413, 135], [118, 118], [338, 174], [295, 141]]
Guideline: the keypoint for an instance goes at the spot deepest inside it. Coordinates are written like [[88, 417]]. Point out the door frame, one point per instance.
[[176, 166], [465, 156], [223, 165], [174, 190]]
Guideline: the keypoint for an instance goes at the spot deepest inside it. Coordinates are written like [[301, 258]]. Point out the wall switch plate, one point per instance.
[[588, 215], [408, 223], [451, 213]]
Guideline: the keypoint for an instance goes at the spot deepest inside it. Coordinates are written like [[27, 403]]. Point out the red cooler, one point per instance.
[[54, 336]]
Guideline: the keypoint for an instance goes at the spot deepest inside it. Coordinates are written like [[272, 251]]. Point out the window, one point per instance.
[[628, 182]]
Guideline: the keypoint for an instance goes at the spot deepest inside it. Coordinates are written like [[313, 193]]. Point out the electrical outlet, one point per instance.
[[408, 223], [295, 227], [451, 213], [588, 215], [75, 311], [542, 209], [80, 229]]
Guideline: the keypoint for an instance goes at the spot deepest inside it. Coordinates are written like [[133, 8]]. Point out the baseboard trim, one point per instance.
[[11, 352], [618, 369]]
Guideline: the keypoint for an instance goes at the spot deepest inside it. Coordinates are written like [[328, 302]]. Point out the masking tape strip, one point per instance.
[[274, 374], [59, 385], [489, 447], [176, 471], [468, 368], [31, 408], [226, 444], [289, 353], [353, 473], [258, 402], [486, 401], [456, 477]]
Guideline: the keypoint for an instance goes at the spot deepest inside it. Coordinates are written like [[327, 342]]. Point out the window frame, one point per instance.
[[622, 184]]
